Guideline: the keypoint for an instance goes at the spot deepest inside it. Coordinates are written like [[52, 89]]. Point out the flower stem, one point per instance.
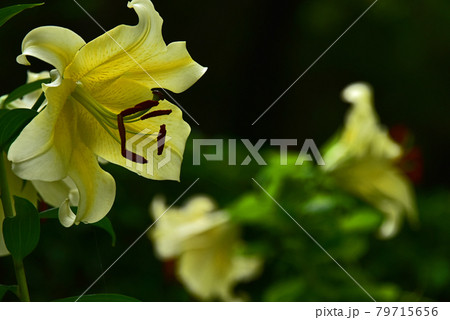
[[4, 189], [21, 280], [8, 209]]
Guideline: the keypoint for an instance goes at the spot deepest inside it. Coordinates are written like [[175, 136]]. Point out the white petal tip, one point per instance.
[[133, 2], [65, 214], [22, 59], [387, 230], [158, 206], [356, 92]]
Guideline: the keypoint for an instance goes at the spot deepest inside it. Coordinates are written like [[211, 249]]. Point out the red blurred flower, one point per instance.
[[411, 162]]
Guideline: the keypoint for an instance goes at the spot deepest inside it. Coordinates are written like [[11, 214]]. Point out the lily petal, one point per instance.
[[54, 45], [66, 215], [135, 52], [174, 69], [142, 139], [180, 229], [97, 187], [43, 149], [246, 268], [384, 186], [56, 192], [362, 135], [213, 280]]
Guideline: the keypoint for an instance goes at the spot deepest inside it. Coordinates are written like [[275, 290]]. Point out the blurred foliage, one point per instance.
[[394, 270], [254, 51]]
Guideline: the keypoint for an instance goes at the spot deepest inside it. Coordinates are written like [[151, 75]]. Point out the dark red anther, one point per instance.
[[145, 105], [161, 140], [156, 113], [122, 132], [159, 92]]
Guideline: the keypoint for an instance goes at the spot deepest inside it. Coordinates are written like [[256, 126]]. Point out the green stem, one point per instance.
[[4, 188], [21, 280], [8, 209]]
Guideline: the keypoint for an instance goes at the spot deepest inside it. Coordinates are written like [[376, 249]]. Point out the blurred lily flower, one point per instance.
[[206, 247], [363, 161], [98, 99]]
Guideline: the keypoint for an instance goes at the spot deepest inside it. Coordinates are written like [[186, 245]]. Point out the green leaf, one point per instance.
[[25, 89], [285, 290], [5, 288], [49, 214], [12, 123], [9, 12], [101, 297], [363, 220], [319, 203], [21, 232], [253, 209], [104, 224]]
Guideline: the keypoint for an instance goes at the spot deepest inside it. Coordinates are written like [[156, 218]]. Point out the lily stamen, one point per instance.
[[161, 140], [156, 113], [159, 93], [143, 106]]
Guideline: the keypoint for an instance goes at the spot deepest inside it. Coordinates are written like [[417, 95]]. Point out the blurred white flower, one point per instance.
[[363, 160], [206, 247]]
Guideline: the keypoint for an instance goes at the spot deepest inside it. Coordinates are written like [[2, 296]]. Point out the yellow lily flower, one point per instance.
[[205, 244], [97, 101], [363, 160]]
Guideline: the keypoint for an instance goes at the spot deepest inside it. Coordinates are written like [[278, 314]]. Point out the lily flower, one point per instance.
[[205, 245], [98, 99], [363, 160]]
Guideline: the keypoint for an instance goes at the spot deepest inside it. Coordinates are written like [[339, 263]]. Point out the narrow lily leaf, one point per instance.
[[25, 89], [104, 224], [9, 12], [5, 288], [102, 297], [21, 232], [12, 123], [49, 214]]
